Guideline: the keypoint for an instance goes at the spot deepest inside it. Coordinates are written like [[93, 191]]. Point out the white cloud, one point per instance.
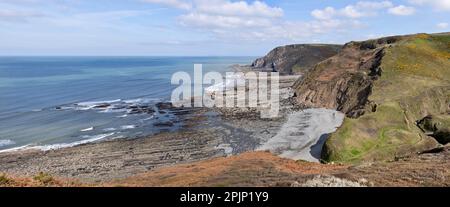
[[437, 4], [223, 7], [179, 4], [358, 10], [284, 30], [402, 10], [252, 20], [327, 13], [238, 8], [235, 19], [353, 12], [374, 4], [442, 25], [218, 15], [257, 21], [203, 20], [16, 15]]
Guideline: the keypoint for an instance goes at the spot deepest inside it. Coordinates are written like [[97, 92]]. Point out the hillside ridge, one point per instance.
[[296, 58], [385, 87]]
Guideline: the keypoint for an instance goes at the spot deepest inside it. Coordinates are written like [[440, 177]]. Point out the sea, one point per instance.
[[53, 102]]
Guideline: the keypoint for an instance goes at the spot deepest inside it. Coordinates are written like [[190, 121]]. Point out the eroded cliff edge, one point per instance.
[[295, 59], [385, 87]]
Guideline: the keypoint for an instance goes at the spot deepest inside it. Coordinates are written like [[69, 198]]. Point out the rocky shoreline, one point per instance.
[[206, 133]]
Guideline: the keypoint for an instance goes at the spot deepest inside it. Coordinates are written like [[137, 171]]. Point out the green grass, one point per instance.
[[415, 82], [360, 138]]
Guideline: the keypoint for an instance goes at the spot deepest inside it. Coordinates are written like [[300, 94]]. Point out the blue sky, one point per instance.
[[204, 27]]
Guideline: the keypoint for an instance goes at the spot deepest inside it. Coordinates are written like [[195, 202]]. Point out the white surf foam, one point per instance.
[[228, 84], [88, 139], [92, 104], [87, 129], [128, 127], [109, 129], [96, 103], [112, 109], [149, 118], [141, 100], [6, 142]]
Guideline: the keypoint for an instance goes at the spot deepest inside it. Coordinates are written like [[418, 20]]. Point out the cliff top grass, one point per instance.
[[415, 82]]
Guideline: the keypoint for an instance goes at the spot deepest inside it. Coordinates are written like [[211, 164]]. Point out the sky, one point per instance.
[[204, 27]]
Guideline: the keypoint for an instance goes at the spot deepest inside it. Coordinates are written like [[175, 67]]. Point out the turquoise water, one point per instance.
[[51, 101]]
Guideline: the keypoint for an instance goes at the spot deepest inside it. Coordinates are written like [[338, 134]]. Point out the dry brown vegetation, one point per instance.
[[40, 180], [266, 169]]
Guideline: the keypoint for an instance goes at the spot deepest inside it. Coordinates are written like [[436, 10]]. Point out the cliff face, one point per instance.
[[385, 87], [296, 58], [344, 81]]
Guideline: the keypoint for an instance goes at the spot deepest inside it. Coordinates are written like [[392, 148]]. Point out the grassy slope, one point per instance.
[[415, 82]]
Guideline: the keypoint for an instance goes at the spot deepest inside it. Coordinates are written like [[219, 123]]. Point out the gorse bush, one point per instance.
[[44, 178], [4, 180]]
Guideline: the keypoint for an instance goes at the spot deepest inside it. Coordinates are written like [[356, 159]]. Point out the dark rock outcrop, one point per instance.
[[296, 58], [437, 127]]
